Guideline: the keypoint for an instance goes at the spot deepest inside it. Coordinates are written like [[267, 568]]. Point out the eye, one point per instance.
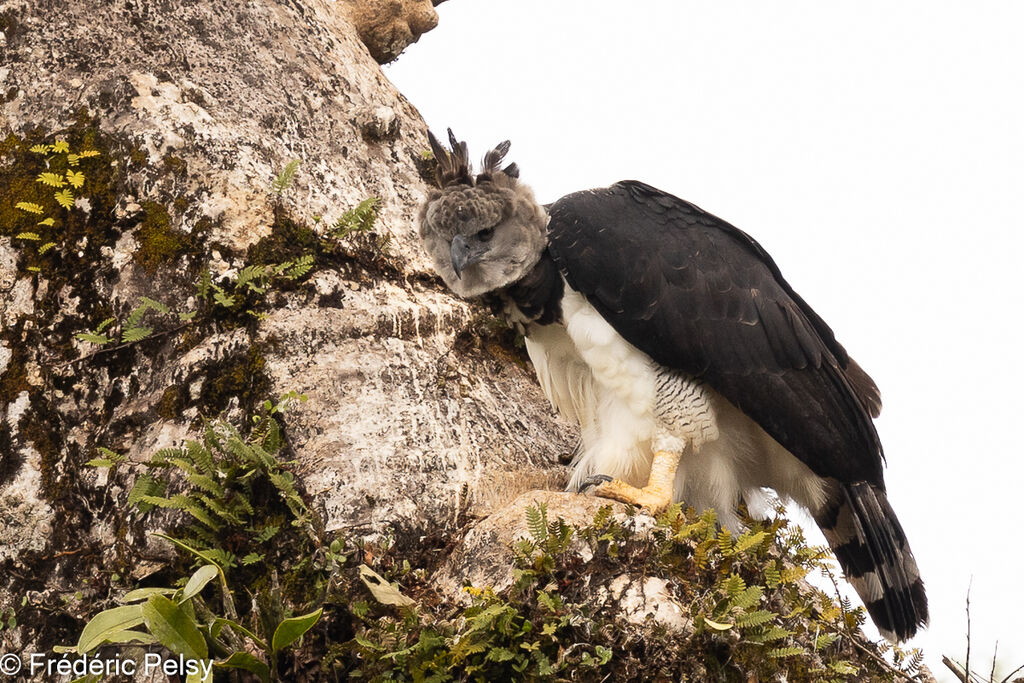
[[485, 235]]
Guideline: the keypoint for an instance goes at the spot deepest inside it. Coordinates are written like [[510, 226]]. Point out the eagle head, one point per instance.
[[483, 233]]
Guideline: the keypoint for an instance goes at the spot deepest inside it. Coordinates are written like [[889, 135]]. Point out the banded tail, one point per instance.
[[867, 539]]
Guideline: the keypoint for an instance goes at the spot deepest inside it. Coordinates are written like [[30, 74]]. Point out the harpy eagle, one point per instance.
[[694, 370]]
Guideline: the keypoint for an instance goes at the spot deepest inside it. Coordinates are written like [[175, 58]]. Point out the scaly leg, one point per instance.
[[655, 497]]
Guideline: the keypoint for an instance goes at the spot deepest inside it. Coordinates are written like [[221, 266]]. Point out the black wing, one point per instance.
[[697, 294]]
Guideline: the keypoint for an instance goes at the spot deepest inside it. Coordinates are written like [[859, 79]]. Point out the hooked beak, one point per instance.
[[464, 255]]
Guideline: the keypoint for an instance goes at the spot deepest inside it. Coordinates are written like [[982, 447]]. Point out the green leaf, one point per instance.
[[65, 198], [51, 179], [222, 297], [290, 630], [86, 153], [384, 592], [39, 149], [751, 619], [749, 540], [247, 662], [218, 621], [46, 247], [185, 317], [100, 462], [93, 338], [204, 284], [60, 146], [28, 236], [718, 626], [782, 652], [76, 179], [106, 624], [29, 206], [140, 594], [844, 667], [48, 222], [155, 305], [748, 598], [173, 627], [134, 334], [284, 180], [131, 636], [198, 581], [198, 553], [104, 325], [499, 654]]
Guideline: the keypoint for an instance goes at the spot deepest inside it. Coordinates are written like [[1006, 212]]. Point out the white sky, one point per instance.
[[875, 149]]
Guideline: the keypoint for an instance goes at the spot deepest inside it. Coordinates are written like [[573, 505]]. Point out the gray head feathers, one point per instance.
[[484, 232]]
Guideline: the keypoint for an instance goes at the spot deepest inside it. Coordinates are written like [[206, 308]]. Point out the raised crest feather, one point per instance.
[[453, 167]]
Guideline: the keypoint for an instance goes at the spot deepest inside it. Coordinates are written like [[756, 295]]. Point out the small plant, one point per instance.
[[182, 621], [286, 177], [216, 481], [65, 180], [356, 226], [243, 512], [251, 283]]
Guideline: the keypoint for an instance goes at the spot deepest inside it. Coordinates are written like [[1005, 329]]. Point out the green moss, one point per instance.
[[159, 243], [171, 403], [243, 377], [287, 240], [175, 165], [138, 156]]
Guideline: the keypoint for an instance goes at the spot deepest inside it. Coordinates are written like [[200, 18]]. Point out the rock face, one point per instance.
[[413, 417], [389, 26]]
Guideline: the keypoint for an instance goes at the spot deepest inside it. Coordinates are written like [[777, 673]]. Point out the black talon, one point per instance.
[[593, 480]]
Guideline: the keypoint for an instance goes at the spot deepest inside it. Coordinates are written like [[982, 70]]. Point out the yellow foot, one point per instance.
[[654, 497]]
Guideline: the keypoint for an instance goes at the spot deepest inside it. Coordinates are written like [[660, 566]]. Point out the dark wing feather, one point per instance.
[[699, 295]]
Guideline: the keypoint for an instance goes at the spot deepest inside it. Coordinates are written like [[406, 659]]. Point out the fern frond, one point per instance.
[[65, 198], [51, 179], [734, 585], [222, 297], [201, 456], [537, 521], [747, 598], [46, 247], [104, 325], [93, 338], [284, 180], [29, 207], [220, 510], [183, 502], [75, 178], [752, 619], [203, 285], [749, 540], [770, 634], [155, 305], [60, 146], [134, 334], [300, 267], [144, 486]]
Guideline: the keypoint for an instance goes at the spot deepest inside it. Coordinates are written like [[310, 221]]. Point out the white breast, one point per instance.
[[612, 389]]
